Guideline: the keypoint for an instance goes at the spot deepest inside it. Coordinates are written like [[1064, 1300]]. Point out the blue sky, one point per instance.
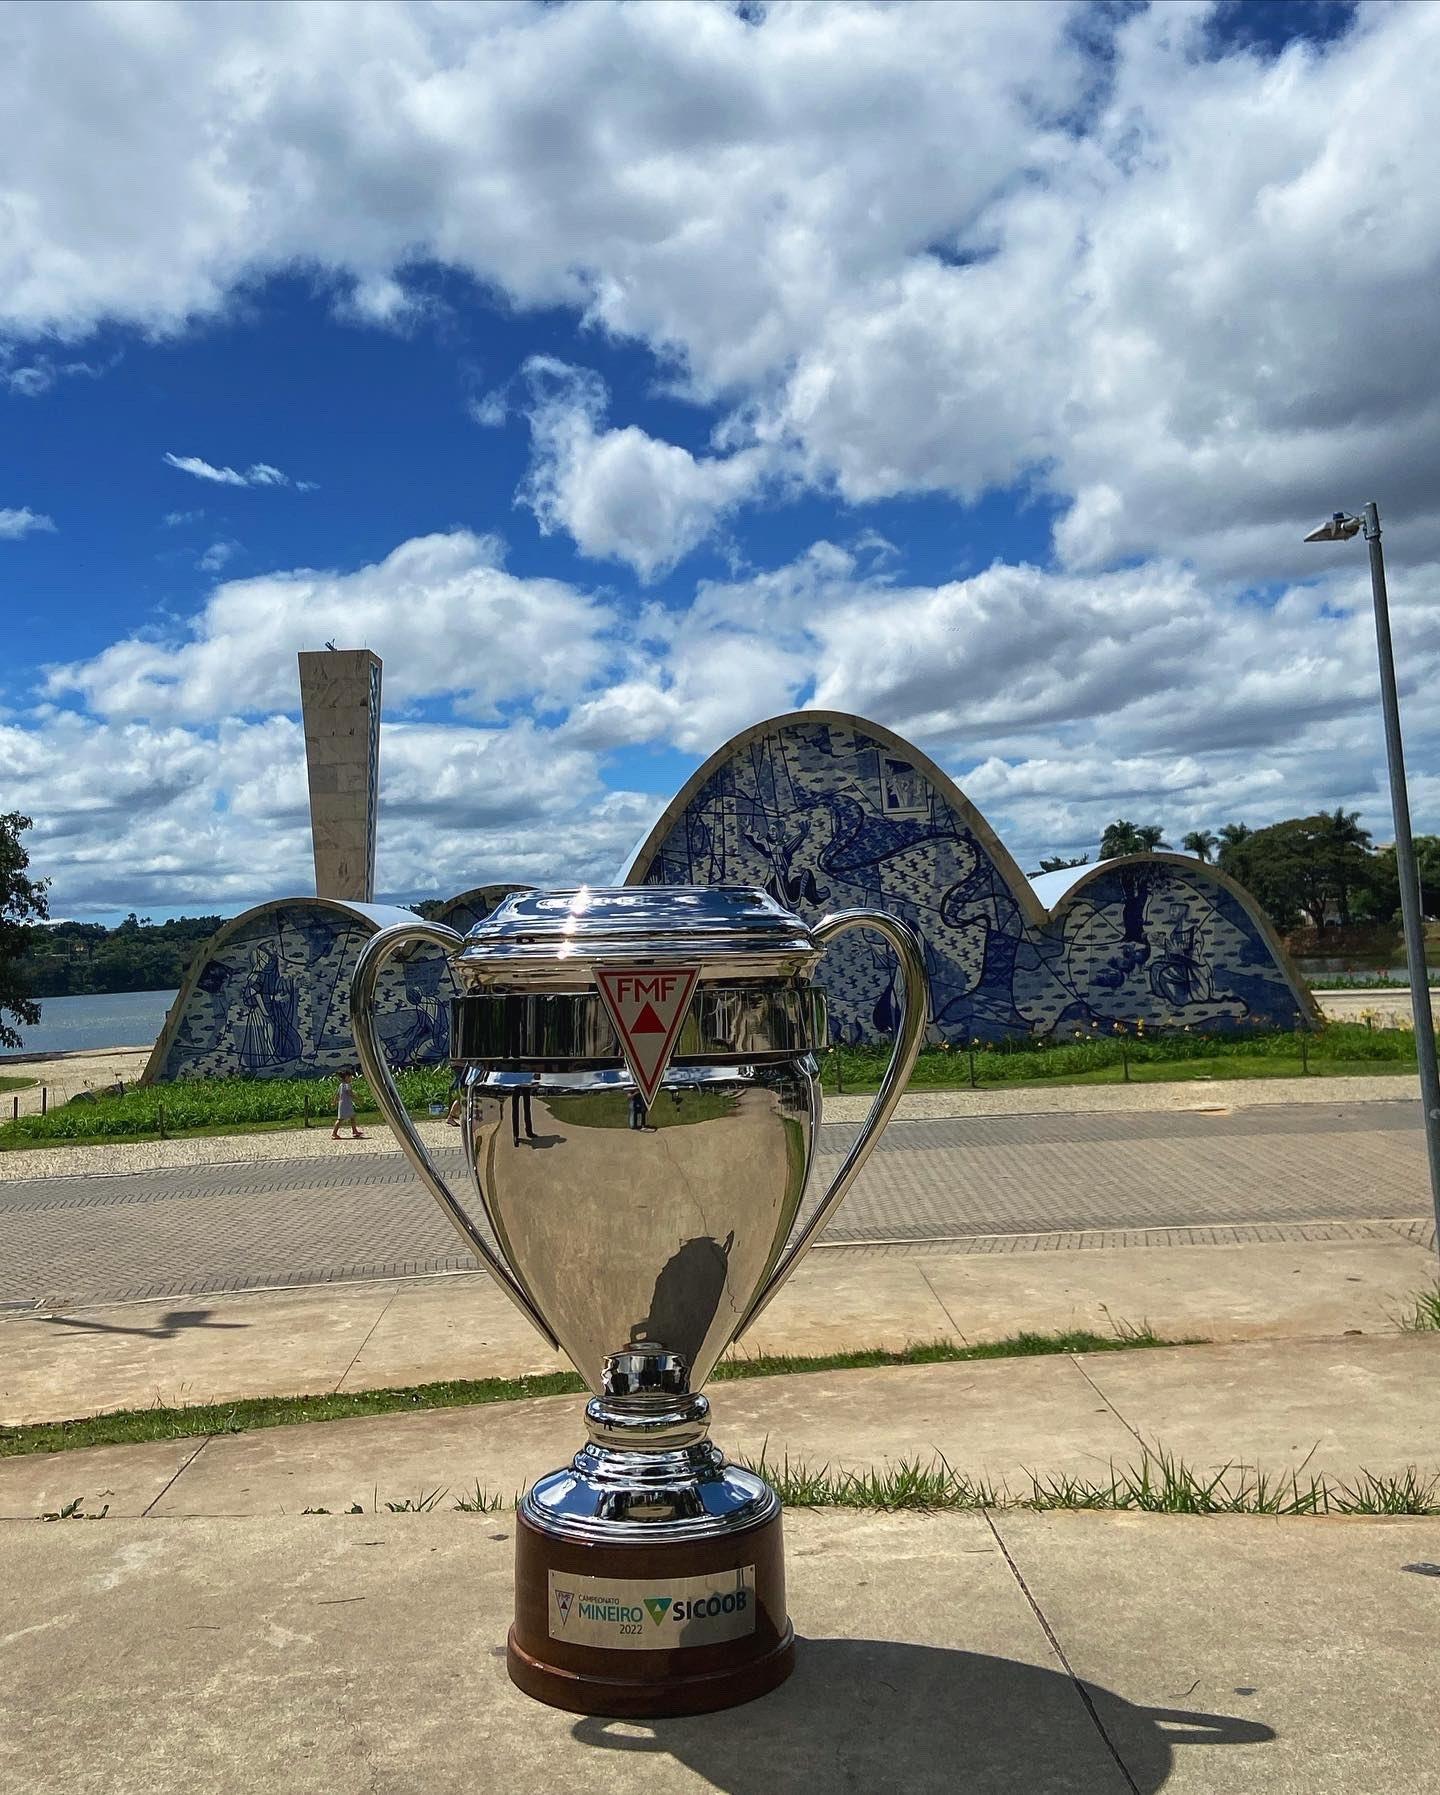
[[625, 375]]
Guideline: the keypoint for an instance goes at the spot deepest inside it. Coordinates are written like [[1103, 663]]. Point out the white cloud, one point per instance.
[[622, 495], [440, 610], [28, 382], [216, 556], [941, 248], [33, 373], [1058, 700], [490, 410], [204, 470], [260, 474], [22, 522], [128, 815]]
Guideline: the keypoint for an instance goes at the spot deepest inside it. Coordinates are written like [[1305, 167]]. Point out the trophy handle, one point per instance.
[[897, 1075], [374, 956]]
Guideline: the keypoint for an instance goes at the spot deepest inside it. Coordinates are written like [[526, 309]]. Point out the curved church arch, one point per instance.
[[269, 996], [828, 811], [1169, 940], [475, 905]]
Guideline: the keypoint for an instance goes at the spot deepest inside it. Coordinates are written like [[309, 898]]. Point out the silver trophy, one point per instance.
[[641, 1097]]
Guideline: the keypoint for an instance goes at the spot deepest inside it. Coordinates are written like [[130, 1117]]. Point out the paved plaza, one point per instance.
[[208, 1635], [986, 1183], [267, 1649], [1003, 1654]]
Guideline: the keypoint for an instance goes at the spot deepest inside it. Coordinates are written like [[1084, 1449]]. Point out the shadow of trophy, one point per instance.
[[659, 1042], [873, 1714]]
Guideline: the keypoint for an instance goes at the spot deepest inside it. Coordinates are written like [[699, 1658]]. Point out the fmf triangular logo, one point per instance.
[[647, 1006], [657, 1606], [563, 1599]]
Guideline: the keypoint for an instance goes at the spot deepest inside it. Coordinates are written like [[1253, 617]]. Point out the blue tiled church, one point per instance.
[[826, 812]]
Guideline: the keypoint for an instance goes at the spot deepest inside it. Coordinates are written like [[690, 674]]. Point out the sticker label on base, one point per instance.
[[655, 1614]]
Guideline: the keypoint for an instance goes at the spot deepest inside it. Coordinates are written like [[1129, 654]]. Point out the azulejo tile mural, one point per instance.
[[270, 997], [829, 812], [463, 912], [826, 812]]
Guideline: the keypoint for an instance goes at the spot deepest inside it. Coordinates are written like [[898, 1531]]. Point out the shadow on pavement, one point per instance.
[[173, 1322], [873, 1714]]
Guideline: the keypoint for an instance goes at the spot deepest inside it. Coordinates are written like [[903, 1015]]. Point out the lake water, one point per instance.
[[115, 1019]]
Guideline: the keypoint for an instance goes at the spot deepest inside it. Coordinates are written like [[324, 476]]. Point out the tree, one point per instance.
[[1382, 900], [1349, 845], [22, 903], [71, 959], [1307, 866], [1057, 863], [1233, 836], [1128, 838], [1199, 842]]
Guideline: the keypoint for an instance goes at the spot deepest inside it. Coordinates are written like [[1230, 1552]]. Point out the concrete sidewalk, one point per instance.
[[1244, 1283], [1004, 1654], [1338, 1407], [207, 1635]]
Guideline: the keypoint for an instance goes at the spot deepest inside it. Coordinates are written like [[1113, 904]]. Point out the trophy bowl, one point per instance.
[[640, 1100]]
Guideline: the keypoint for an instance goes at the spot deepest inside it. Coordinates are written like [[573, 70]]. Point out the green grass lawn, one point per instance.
[[1178, 1071], [1340, 1047], [1343, 981], [203, 1106], [129, 1426], [249, 1105], [17, 1084]]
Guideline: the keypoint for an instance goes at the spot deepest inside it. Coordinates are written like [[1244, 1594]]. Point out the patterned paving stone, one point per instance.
[[986, 1184]]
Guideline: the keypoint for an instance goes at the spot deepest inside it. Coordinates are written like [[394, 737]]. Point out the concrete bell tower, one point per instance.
[[340, 702]]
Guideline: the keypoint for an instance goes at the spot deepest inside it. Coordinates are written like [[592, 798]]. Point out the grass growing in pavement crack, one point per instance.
[[1423, 1315], [130, 1426], [1159, 1484]]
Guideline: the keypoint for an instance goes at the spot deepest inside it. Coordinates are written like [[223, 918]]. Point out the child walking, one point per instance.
[[345, 1110]]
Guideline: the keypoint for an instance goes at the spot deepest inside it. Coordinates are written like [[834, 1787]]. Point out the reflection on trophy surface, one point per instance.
[[640, 1104]]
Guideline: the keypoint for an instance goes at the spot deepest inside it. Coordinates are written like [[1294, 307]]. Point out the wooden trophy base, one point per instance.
[[641, 1630]]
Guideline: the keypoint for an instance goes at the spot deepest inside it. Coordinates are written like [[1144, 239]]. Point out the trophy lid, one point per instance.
[[551, 939]]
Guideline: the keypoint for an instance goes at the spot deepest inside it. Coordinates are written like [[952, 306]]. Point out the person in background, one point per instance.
[[345, 1109]]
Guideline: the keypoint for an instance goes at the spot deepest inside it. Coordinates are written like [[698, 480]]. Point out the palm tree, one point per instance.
[[1130, 838], [1119, 838], [1232, 834], [1349, 853], [1199, 842], [1344, 828]]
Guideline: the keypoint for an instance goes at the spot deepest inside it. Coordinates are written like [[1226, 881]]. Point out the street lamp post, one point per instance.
[[1341, 528]]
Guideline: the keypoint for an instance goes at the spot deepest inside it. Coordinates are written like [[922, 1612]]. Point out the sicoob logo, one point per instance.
[[734, 1601]]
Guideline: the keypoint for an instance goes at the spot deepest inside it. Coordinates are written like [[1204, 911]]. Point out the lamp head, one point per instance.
[[1339, 529]]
